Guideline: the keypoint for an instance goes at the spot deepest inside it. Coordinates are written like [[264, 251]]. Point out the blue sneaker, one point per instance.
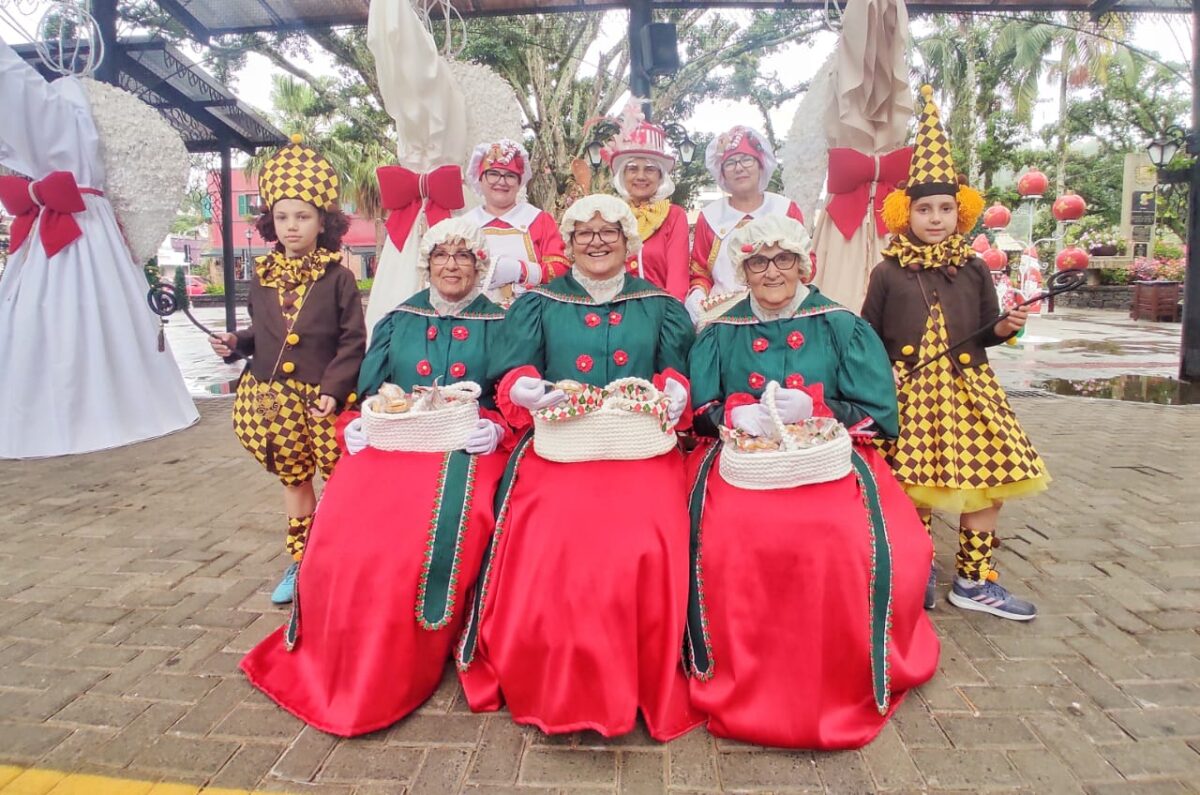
[[931, 588], [285, 591], [990, 597]]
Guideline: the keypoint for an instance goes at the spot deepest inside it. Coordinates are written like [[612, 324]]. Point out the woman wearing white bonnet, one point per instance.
[[370, 563], [582, 607], [844, 561], [741, 162]]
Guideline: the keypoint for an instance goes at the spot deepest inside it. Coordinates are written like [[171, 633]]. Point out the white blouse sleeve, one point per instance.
[[419, 91], [44, 126]]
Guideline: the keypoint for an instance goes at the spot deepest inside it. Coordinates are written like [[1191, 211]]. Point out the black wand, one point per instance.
[[1061, 282], [164, 303]]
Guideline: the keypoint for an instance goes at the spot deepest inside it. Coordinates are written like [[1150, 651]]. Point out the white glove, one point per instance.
[[484, 438], [506, 271], [677, 392], [692, 304], [356, 436], [793, 405], [533, 394], [752, 418]]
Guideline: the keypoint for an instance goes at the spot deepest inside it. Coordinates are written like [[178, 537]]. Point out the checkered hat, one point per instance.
[[932, 170], [298, 172]]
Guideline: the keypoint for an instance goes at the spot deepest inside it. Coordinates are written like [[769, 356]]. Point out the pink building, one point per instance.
[[358, 245]]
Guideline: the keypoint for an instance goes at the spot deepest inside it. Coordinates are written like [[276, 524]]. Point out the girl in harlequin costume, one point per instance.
[[641, 170], [579, 609], [741, 162], [524, 243], [960, 448], [382, 595], [305, 340], [822, 643]]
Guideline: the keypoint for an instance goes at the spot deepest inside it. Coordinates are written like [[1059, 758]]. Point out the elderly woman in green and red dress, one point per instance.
[[580, 608], [394, 549], [822, 642]]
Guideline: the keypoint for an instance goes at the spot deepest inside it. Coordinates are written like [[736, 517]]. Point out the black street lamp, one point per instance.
[[1162, 151]]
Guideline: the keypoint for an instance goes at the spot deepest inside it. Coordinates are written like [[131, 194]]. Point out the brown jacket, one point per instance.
[[898, 302], [331, 329]]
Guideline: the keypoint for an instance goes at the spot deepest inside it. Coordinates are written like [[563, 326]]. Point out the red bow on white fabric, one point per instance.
[[405, 193], [55, 198], [851, 174]]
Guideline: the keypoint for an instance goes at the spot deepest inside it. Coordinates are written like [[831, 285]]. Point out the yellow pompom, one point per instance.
[[895, 211], [970, 205], [927, 91], [297, 138]]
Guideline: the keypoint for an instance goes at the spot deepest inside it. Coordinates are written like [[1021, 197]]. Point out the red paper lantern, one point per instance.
[[1071, 258], [995, 259], [997, 216], [1069, 207], [1032, 183], [980, 243]]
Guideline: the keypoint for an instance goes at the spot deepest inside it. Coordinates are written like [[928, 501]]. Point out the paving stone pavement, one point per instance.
[[131, 582]]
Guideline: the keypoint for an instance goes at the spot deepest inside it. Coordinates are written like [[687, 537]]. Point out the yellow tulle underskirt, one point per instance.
[[941, 498]]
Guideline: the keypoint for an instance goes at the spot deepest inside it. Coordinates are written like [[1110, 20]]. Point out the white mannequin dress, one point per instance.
[[80, 368]]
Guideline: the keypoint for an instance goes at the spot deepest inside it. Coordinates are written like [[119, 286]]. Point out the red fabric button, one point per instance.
[[458, 369], [795, 340], [424, 367], [756, 380], [761, 345], [431, 333], [592, 319], [460, 332], [621, 358], [794, 381], [614, 318], [584, 363]]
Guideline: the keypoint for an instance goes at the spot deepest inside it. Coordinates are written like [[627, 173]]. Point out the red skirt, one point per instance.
[[786, 582], [581, 618], [362, 658]]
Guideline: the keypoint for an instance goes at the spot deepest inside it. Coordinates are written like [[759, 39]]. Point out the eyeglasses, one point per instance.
[[463, 258], [494, 177], [784, 261], [585, 237], [643, 168], [743, 162]]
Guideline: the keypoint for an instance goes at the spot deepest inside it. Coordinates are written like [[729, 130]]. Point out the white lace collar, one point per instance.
[[767, 315], [601, 290]]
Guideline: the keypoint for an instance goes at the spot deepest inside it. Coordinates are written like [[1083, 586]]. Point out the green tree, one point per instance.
[[180, 287]]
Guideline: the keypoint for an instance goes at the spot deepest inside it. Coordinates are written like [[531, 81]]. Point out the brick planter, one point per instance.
[[1119, 297]]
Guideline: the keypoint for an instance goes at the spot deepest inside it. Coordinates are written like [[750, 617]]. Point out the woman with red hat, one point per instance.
[[523, 242], [741, 162], [641, 169]]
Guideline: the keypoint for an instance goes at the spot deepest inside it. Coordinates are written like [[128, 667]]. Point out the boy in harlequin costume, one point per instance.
[[741, 162], [523, 241], [960, 448], [306, 339]]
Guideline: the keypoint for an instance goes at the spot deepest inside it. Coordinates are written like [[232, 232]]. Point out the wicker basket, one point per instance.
[[628, 423], [421, 430], [789, 466], [715, 306]]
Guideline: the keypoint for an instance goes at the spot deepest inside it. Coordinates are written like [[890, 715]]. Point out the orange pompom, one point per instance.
[[970, 206], [895, 212]]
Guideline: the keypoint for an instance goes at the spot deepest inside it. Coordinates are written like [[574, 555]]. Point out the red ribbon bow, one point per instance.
[[405, 194], [55, 198], [850, 176]]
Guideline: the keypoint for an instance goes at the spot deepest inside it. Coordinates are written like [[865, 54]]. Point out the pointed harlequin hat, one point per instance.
[[931, 173], [298, 172]]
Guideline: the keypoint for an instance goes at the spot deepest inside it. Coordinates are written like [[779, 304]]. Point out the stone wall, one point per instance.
[[1097, 297]]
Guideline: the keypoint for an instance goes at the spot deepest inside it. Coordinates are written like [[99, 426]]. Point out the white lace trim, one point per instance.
[[444, 307], [601, 290], [767, 315]]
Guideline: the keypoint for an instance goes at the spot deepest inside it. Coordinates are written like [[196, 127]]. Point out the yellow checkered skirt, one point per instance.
[[271, 420], [960, 447]]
